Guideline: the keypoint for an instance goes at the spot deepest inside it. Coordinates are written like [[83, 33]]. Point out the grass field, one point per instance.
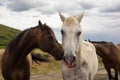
[[45, 67], [6, 35]]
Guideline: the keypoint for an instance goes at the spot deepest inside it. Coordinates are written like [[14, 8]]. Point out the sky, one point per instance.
[[101, 21]]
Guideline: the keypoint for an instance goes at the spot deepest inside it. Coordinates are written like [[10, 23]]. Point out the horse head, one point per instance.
[[71, 38], [46, 41]]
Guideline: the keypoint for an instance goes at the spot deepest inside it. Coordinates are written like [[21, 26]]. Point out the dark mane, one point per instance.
[[102, 42], [33, 27], [119, 44], [15, 41], [48, 29]]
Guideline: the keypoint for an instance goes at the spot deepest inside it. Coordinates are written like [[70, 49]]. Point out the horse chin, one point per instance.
[[71, 65], [58, 59]]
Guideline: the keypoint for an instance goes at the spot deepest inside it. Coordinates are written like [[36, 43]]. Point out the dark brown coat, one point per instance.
[[110, 56], [15, 65]]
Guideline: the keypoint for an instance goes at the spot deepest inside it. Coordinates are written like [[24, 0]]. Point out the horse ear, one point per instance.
[[89, 40], [39, 23], [79, 17], [62, 17]]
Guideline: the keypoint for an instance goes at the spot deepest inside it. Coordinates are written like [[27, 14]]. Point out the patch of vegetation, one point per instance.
[[45, 67], [6, 35]]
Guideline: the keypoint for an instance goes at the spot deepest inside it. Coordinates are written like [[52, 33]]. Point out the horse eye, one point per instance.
[[62, 32], [50, 38], [78, 33]]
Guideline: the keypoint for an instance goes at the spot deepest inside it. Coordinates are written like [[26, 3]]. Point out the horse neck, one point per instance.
[[23, 47], [80, 48]]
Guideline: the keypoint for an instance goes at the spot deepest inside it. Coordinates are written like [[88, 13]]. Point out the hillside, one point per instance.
[[6, 34]]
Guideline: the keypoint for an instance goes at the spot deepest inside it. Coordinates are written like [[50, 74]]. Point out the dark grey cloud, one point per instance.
[[19, 6], [23, 5], [111, 9], [86, 5], [0, 4], [49, 7]]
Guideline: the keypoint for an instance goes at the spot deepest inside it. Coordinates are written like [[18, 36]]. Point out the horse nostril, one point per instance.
[[70, 59], [73, 59]]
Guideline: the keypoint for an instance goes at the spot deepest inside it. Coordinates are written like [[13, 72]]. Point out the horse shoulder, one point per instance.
[[89, 52], [89, 49]]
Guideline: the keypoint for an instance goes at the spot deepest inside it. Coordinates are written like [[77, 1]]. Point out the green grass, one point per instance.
[[6, 34]]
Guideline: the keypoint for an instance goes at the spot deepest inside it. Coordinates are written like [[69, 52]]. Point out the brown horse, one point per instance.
[[15, 65], [118, 46], [110, 56]]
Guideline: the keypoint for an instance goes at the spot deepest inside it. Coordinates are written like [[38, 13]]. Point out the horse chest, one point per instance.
[[76, 73]]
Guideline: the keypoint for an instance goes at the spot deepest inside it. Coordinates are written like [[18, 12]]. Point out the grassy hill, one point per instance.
[[7, 34]]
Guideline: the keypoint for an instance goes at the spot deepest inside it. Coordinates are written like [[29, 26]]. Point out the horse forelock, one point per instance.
[[49, 30], [69, 21]]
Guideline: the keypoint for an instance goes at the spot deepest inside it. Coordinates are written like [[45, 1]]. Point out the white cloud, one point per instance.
[[101, 16]]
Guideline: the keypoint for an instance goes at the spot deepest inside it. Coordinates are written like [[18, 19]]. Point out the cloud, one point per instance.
[[4, 1], [49, 7], [111, 9], [20, 5], [86, 5], [110, 6], [1, 4], [24, 5], [101, 17]]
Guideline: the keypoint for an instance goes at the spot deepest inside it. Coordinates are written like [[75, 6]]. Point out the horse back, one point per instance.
[[118, 46]]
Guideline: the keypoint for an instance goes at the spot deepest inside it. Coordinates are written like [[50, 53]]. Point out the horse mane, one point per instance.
[[13, 43], [118, 44], [48, 29], [102, 42]]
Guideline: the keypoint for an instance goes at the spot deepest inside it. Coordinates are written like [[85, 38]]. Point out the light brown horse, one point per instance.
[[15, 65], [110, 56]]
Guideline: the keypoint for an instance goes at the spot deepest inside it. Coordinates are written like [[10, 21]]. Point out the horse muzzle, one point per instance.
[[69, 60]]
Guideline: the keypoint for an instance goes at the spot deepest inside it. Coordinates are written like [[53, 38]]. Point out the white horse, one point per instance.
[[80, 60]]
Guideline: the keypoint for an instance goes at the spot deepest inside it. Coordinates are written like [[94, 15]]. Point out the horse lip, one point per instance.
[[70, 64]]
